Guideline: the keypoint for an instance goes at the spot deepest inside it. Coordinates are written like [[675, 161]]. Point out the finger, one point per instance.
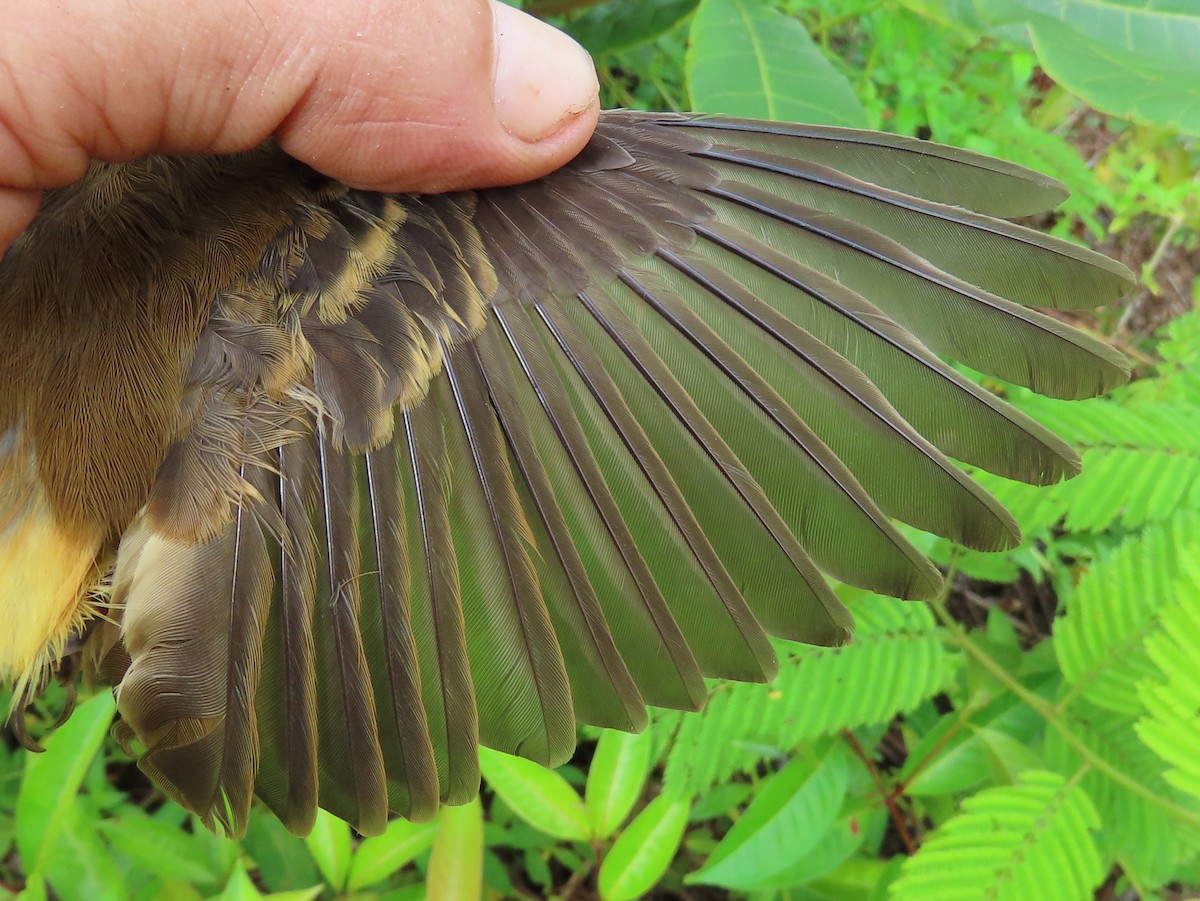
[[17, 209], [414, 95]]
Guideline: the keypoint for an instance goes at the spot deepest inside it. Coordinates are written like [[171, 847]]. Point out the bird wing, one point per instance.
[[470, 468]]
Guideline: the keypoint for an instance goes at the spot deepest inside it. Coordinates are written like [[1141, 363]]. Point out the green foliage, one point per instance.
[[1132, 58], [747, 59], [1019, 841], [898, 658], [926, 759]]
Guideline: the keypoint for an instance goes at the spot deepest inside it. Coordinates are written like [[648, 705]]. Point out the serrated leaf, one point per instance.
[[746, 58], [539, 796], [642, 853], [615, 779]]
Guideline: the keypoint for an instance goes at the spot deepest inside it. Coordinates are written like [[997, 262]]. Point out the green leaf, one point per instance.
[[1007, 757], [615, 779], [818, 691], [79, 863], [614, 27], [283, 860], [792, 813], [1171, 727], [240, 887], [1119, 602], [1134, 58], [841, 840], [329, 844], [642, 853], [159, 848], [1148, 840], [456, 864], [748, 59], [1016, 841], [35, 890], [52, 779], [720, 800], [539, 796], [379, 857]]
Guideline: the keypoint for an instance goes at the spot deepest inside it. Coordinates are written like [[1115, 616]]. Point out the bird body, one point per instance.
[[334, 486]]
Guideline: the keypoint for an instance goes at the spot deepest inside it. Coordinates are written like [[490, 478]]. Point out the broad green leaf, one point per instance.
[[841, 840], [79, 866], [379, 857], [747, 59], [858, 879], [456, 864], [47, 796], [283, 860], [1007, 757], [537, 795], [240, 887], [613, 27], [941, 764], [615, 779], [791, 815], [720, 800], [35, 890], [159, 848], [1134, 58], [642, 853], [329, 844]]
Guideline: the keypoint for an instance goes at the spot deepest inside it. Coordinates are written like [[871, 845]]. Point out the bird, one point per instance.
[[332, 486]]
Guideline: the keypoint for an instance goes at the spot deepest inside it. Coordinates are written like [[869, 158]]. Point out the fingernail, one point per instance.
[[543, 78]]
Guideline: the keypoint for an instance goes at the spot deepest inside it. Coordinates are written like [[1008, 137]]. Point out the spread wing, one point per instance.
[[472, 467]]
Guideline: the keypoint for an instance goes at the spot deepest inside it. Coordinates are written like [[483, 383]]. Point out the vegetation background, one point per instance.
[[1035, 734]]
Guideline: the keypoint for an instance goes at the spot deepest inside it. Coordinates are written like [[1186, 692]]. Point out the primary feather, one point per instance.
[[419, 473]]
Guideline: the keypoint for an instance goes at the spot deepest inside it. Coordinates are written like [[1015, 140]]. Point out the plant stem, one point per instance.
[[889, 798]]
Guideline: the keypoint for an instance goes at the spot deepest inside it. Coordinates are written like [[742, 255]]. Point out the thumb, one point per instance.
[[417, 95]]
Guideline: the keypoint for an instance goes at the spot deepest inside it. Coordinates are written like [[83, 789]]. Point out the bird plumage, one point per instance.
[[380, 478]]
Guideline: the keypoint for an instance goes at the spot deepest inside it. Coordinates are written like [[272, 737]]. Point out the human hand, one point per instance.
[[396, 95]]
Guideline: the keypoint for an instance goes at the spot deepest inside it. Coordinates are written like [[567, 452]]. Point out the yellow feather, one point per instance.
[[46, 572]]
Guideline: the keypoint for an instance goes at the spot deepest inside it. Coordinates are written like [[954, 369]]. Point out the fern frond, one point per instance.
[[897, 659], [1142, 837], [1171, 726], [1117, 605], [1029, 840]]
